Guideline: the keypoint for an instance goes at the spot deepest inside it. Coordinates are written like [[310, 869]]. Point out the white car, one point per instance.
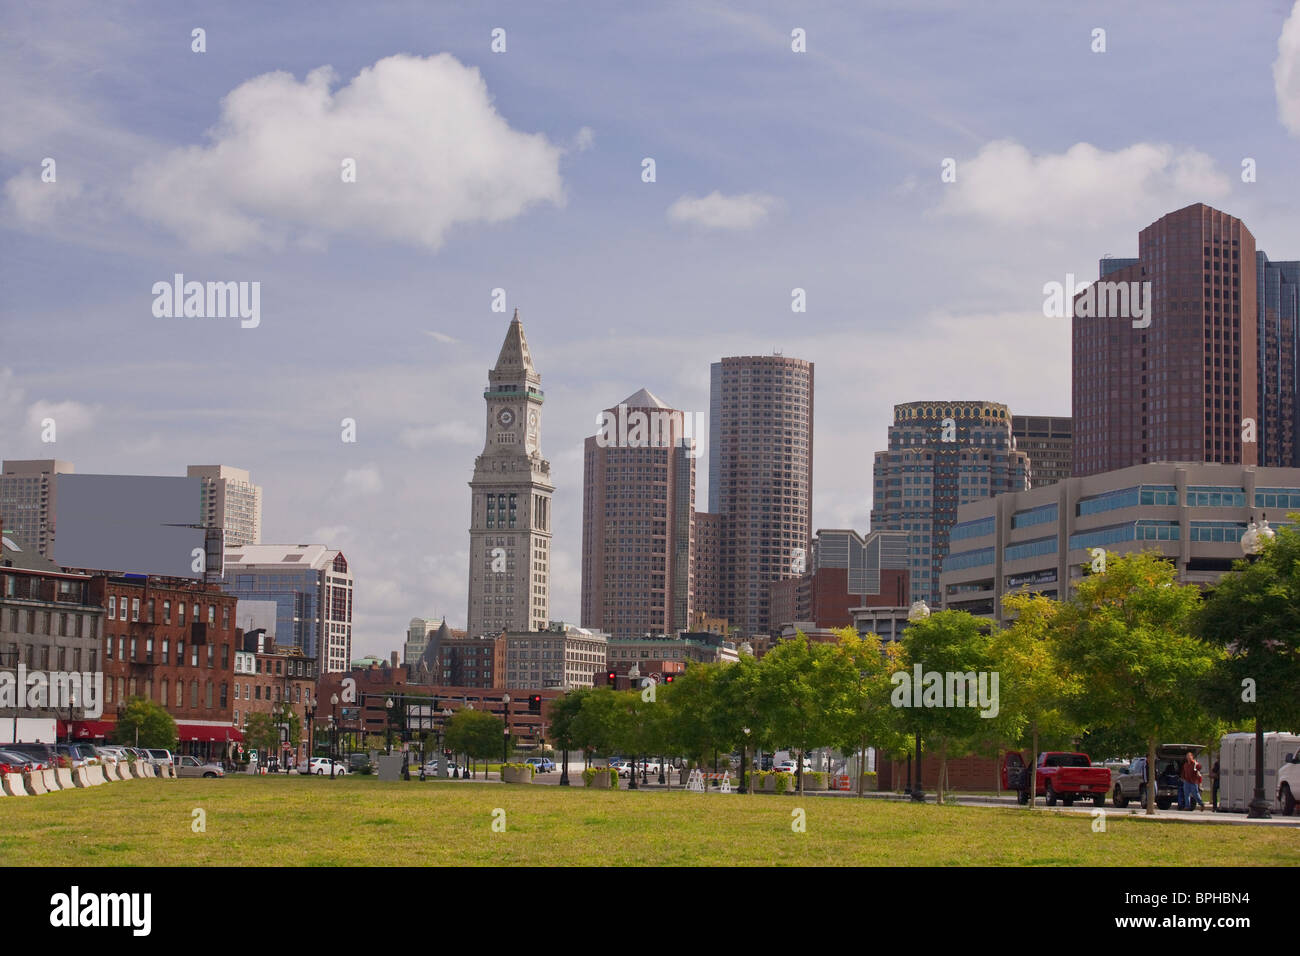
[[1288, 784], [320, 766]]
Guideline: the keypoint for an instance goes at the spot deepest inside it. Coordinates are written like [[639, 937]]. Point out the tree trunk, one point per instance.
[[1151, 776], [943, 767], [862, 766], [1032, 770]]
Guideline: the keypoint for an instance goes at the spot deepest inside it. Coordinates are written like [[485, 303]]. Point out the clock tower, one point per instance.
[[510, 510]]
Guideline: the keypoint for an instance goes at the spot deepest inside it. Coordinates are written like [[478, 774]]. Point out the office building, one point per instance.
[[230, 501], [1178, 378], [760, 480], [1278, 294], [941, 454], [510, 512], [1049, 442], [1042, 540], [638, 520], [312, 588], [28, 499], [847, 571], [561, 657]]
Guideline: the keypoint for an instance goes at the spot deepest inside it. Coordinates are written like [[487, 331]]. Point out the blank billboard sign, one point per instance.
[[129, 523]]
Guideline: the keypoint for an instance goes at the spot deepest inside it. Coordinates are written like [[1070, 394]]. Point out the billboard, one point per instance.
[[137, 524]]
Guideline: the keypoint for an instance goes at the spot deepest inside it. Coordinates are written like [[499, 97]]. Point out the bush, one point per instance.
[[816, 777], [784, 782], [520, 766]]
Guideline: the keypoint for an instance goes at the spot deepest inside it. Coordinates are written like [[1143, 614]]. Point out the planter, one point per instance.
[[514, 775], [814, 781], [600, 780], [870, 783], [769, 784]]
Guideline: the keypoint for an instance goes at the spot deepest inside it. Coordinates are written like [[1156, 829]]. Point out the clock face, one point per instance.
[[532, 419], [505, 418]]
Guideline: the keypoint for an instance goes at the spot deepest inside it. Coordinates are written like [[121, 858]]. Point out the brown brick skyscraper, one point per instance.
[[760, 478], [1180, 388]]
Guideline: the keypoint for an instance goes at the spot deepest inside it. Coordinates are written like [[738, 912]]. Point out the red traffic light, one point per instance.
[[668, 679], [611, 677]]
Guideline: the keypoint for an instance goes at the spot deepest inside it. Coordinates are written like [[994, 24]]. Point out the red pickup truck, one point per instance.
[[1059, 775]]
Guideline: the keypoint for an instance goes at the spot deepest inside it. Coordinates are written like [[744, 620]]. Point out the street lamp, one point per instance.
[[309, 707], [744, 749], [1252, 543], [918, 612], [388, 727], [505, 734], [633, 675], [334, 732], [442, 756]]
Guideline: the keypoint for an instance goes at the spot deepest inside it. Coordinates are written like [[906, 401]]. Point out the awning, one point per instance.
[[87, 729], [204, 733]]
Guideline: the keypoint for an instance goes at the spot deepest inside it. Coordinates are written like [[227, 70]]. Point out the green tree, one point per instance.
[[696, 712], [564, 710], [858, 681], [1034, 685], [142, 723], [1127, 635], [947, 642], [475, 733], [600, 725], [794, 697], [261, 732]]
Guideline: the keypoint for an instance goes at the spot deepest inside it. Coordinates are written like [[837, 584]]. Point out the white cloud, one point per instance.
[[716, 211], [430, 151], [442, 337], [363, 481], [1286, 72], [1084, 186], [584, 139], [451, 433], [33, 200], [69, 417]]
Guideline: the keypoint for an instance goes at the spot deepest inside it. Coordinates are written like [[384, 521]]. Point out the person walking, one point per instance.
[[1190, 797]]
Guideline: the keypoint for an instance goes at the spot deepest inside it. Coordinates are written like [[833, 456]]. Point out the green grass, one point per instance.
[[297, 821]]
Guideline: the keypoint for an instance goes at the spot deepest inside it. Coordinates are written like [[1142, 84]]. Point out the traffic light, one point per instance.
[[668, 678], [611, 678], [534, 703]]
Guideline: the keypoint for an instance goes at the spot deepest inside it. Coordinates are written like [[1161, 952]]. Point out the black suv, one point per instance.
[[41, 753]]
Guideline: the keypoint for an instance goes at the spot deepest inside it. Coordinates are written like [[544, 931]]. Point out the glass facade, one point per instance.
[[1130, 531], [1210, 496], [1030, 549], [968, 559], [1043, 514], [972, 529]]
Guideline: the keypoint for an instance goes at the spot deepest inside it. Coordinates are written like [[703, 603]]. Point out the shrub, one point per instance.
[[784, 782], [520, 766], [816, 777]]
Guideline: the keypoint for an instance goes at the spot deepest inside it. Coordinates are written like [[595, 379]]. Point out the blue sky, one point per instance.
[[522, 170]]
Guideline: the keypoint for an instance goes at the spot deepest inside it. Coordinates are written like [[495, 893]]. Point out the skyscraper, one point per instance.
[[510, 510], [27, 500], [638, 520], [1180, 383], [760, 479], [941, 455], [1278, 292], [231, 501], [1048, 441]]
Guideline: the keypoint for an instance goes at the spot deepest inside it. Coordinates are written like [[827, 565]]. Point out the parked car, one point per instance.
[[1059, 775], [77, 754], [320, 766], [43, 754], [1288, 783], [1132, 784], [188, 766], [359, 762], [13, 762], [543, 764]]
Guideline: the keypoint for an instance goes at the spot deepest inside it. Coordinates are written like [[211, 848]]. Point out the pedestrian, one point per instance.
[[1214, 791], [1190, 790]]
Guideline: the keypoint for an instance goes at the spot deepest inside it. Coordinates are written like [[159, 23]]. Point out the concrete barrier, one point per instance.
[[110, 772], [148, 770], [51, 780], [35, 783], [95, 775], [81, 777], [64, 776], [13, 785]]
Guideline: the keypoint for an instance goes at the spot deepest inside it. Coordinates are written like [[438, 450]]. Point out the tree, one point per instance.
[[564, 710], [475, 733], [261, 732], [955, 646], [695, 712], [1253, 617], [1127, 635], [1034, 687], [142, 723], [859, 682], [793, 695], [600, 725]]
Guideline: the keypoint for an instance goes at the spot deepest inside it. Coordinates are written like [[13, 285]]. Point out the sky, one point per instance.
[[503, 147]]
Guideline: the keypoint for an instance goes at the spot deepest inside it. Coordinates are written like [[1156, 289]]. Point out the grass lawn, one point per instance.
[[303, 821]]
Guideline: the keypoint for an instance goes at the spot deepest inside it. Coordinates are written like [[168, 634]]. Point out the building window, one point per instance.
[[212, 614], [167, 612], [166, 652], [112, 607], [194, 694], [135, 609], [194, 655]]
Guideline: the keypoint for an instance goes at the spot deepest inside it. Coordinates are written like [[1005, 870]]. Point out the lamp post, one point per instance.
[[633, 675], [309, 706], [334, 731], [744, 749], [1252, 542], [388, 727], [467, 772], [918, 612], [442, 732], [505, 734]]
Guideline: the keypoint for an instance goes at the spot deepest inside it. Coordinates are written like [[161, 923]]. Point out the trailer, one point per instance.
[[1237, 768]]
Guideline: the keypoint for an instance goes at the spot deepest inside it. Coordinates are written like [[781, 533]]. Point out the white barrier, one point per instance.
[[51, 780], [81, 776], [35, 783], [95, 775], [149, 770], [696, 781], [13, 785], [64, 776]]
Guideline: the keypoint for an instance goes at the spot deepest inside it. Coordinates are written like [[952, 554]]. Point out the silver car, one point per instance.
[[188, 766]]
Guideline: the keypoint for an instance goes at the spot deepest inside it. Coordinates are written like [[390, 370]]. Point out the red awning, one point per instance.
[[202, 734], [87, 729]]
